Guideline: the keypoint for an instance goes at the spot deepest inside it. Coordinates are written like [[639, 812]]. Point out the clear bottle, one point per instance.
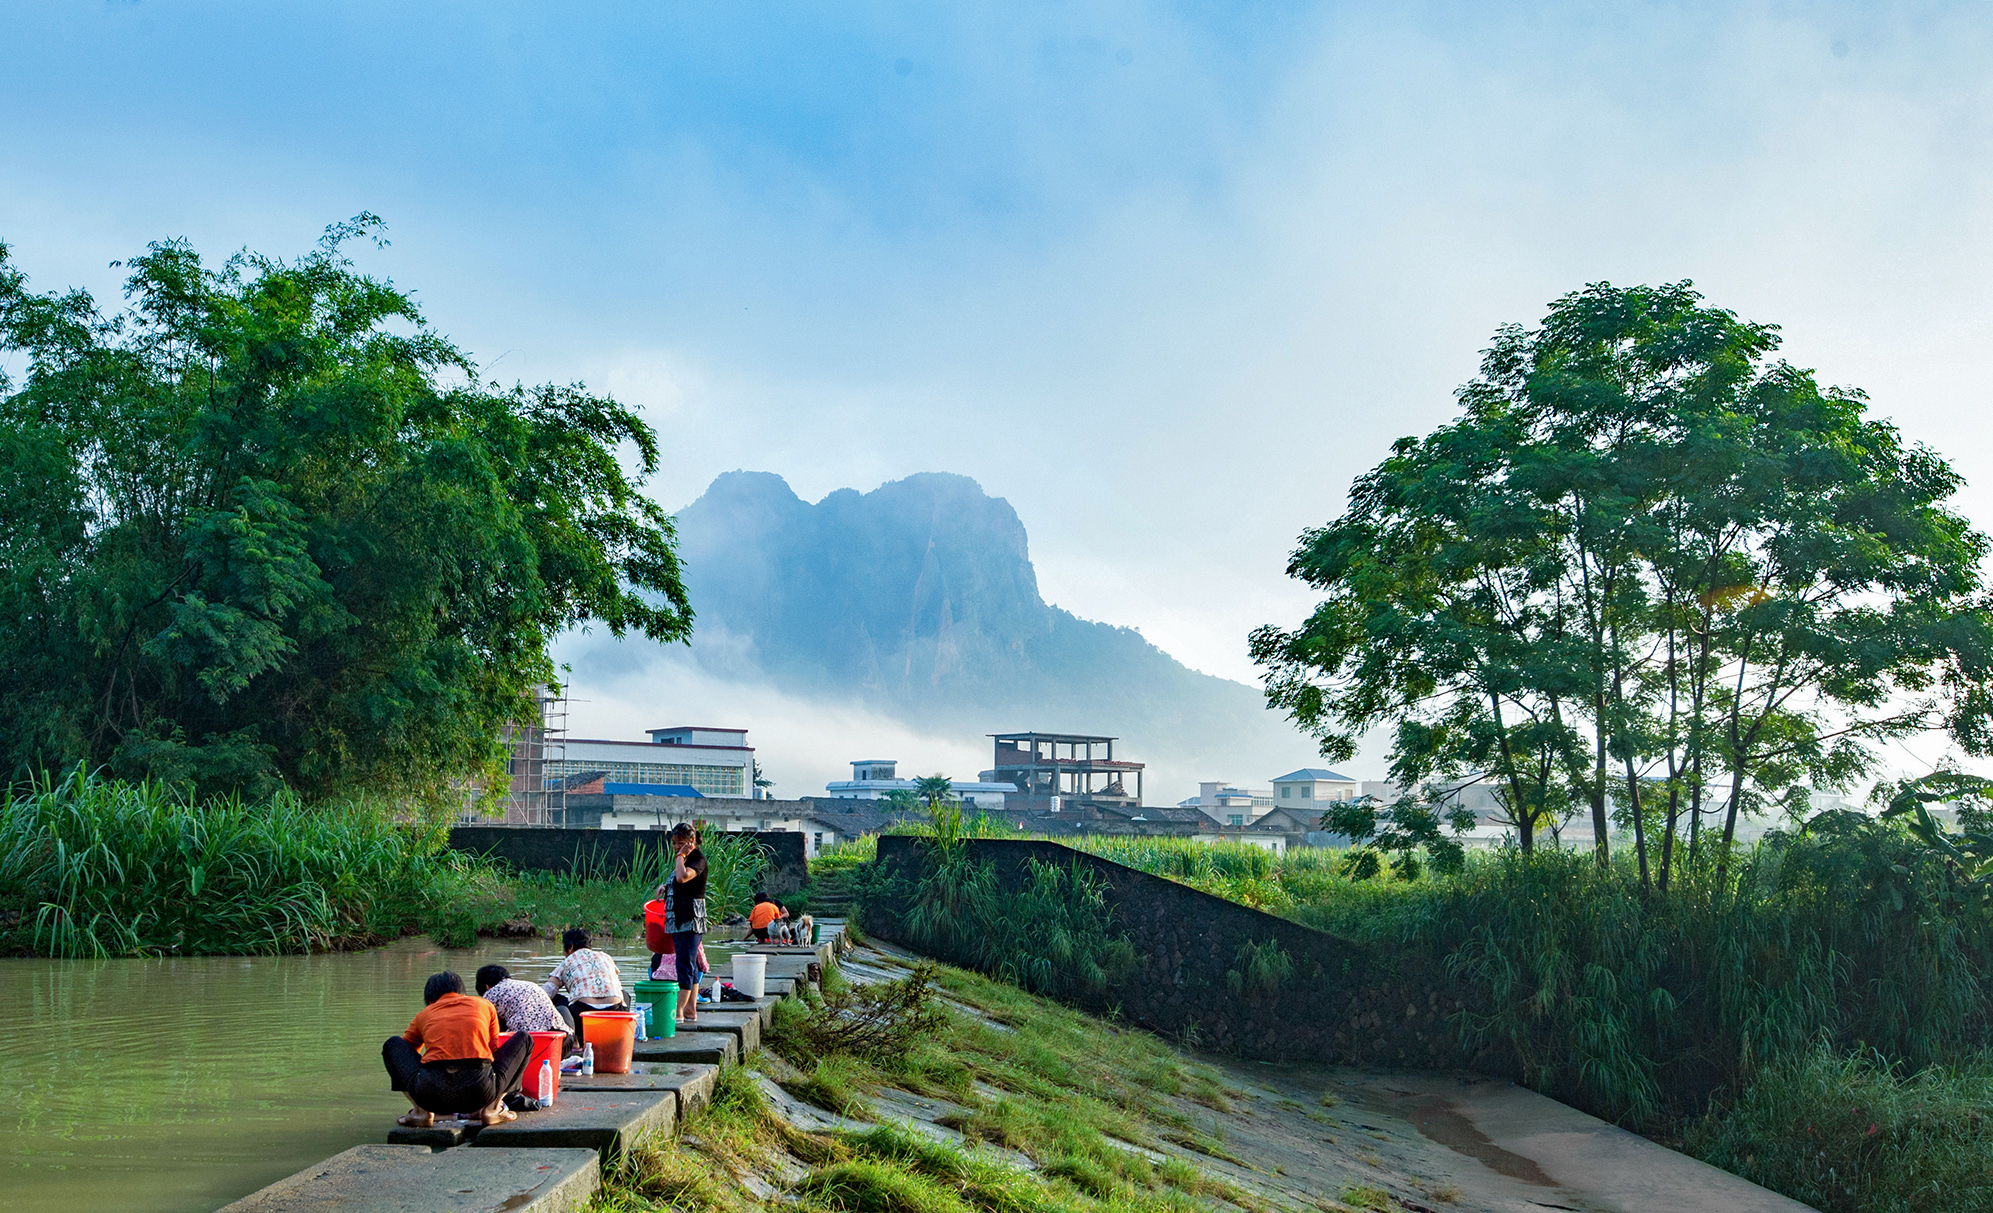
[[588, 1059], [546, 1095]]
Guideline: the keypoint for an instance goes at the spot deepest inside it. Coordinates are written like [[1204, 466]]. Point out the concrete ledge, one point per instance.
[[818, 952], [690, 1048], [763, 1007], [795, 969], [403, 1179], [604, 1121], [743, 1026], [691, 1085], [443, 1135]]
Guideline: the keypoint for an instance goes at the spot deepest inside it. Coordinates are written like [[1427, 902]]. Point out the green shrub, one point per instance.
[[870, 1022]]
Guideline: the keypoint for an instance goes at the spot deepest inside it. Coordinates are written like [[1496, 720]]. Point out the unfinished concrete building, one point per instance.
[[1062, 772]]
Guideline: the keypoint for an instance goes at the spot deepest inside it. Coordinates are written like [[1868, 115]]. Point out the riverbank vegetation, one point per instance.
[[1057, 1111], [1743, 1016], [100, 867]]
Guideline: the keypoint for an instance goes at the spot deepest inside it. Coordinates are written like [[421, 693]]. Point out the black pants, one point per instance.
[[456, 1086]]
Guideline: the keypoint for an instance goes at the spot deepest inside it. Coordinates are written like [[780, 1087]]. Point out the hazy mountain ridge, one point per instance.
[[919, 599]]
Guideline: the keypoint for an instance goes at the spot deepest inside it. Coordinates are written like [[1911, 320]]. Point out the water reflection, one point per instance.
[[176, 1086]]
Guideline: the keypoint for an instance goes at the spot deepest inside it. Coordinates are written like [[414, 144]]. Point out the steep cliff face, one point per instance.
[[919, 598]]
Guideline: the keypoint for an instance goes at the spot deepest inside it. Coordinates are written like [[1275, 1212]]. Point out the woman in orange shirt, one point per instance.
[[460, 1066]]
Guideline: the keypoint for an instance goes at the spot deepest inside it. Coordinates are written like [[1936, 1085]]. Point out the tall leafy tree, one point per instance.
[[264, 526], [1654, 561]]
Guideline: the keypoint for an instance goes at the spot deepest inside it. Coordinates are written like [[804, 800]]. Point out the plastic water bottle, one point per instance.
[[643, 1016], [546, 1095], [588, 1059]]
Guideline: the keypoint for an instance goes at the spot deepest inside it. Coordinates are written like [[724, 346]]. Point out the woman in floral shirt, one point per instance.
[[521, 1005], [586, 980]]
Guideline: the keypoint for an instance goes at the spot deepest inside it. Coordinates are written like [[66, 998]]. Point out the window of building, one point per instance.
[[817, 845], [708, 780], [1284, 791], [631, 826], [1238, 819], [1307, 791]]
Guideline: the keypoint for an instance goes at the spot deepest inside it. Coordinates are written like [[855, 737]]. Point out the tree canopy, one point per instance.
[[1649, 572], [264, 527]]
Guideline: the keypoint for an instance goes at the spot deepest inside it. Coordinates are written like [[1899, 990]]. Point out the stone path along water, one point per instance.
[[547, 1161], [396, 1179]]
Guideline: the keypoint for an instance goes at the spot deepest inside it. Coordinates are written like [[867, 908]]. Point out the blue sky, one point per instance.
[[1164, 276]]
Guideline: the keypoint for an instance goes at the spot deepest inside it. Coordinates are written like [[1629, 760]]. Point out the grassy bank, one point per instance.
[[93, 867], [1076, 1100], [1738, 1014]]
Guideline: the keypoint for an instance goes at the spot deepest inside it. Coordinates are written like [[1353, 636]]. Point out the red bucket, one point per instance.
[[655, 936]]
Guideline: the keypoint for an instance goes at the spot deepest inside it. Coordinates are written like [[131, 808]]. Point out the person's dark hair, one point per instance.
[[491, 975], [760, 897], [440, 984], [574, 939]]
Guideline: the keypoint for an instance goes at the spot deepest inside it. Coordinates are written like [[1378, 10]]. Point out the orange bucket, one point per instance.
[[614, 1035]]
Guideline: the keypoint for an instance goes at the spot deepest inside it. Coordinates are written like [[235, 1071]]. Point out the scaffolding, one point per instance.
[[533, 798]]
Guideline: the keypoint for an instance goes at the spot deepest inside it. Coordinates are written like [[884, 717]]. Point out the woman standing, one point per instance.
[[685, 915]]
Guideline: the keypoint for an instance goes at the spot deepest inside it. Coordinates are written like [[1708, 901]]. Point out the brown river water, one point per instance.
[[177, 1086]]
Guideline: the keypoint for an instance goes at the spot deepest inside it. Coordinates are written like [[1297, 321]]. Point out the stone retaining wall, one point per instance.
[[1342, 1002], [609, 852]]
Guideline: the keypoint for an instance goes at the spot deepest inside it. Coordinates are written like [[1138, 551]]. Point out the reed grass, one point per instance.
[[96, 868], [473, 899], [91, 867], [1854, 1134]]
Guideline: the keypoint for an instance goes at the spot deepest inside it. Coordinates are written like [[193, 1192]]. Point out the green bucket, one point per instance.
[[662, 999]]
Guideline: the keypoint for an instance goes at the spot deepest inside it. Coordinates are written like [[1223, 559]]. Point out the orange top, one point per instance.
[[456, 1027], [763, 914]]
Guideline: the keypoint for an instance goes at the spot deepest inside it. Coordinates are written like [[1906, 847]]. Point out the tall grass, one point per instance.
[[475, 899], [103, 868], [1054, 935], [1854, 1134]]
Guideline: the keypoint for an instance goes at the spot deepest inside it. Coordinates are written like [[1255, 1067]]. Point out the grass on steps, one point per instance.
[[1067, 1091]]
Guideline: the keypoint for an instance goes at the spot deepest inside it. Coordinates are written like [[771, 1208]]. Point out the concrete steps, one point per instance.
[[549, 1161]]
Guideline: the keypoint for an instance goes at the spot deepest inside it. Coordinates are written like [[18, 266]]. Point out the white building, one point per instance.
[[710, 761], [1311, 786], [1228, 805], [873, 778]]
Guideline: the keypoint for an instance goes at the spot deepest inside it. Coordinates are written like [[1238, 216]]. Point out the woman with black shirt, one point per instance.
[[685, 915]]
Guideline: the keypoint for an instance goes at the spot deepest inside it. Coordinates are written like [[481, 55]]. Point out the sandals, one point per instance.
[[410, 1120], [499, 1117]]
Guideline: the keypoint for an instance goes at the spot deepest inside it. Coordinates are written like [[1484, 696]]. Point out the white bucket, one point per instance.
[[750, 974]]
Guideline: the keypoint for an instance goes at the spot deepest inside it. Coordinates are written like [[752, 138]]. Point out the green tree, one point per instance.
[[265, 527], [1643, 548], [944, 808]]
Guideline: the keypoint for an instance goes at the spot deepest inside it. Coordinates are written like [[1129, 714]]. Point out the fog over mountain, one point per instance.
[[917, 602]]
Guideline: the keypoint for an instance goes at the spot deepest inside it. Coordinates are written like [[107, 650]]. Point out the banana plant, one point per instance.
[[1969, 850]]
